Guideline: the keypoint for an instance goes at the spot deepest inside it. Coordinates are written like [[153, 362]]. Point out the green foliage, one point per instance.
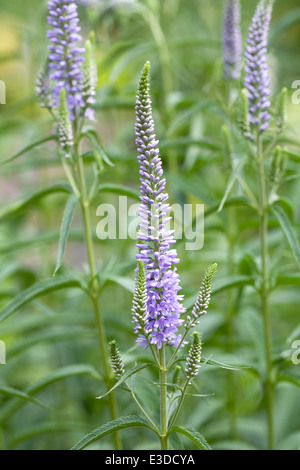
[[54, 367]]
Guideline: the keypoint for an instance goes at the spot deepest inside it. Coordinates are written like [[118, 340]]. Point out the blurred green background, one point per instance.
[[182, 40]]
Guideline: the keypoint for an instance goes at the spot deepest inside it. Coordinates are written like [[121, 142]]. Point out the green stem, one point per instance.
[[231, 382], [163, 400], [142, 409], [179, 406], [95, 289], [264, 291], [170, 363]]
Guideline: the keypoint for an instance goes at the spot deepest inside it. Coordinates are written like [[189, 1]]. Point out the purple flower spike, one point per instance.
[[232, 40], [256, 79], [65, 57], [162, 280]]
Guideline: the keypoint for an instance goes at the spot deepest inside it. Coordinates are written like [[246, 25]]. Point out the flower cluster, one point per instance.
[[162, 280], [116, 361], [256, 79], [66, 57], [139, 304], [194, 357], [232, 40], [69, 66], [203, 299]]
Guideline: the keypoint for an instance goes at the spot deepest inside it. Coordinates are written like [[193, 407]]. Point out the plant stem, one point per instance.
[[179, 406], [95, 289], [231, 380], [264, 291], [163, 400], [142, 409]]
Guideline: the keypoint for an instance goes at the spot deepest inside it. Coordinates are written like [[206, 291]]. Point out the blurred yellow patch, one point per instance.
[[9, 42]]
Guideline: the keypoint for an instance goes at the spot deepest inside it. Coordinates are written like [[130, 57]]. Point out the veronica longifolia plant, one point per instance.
[[157, 311], [66, 87], [267, 158]]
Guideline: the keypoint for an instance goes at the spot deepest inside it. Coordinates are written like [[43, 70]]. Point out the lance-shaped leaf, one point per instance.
[[193, 435], [288, 231], [28, 148], [108, 428], [65, 229], [126, 376], [40, 288], [17, 206]]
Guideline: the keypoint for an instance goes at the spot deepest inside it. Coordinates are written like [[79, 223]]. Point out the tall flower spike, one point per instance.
[[203, 299], [42, 88], [162, 280], [139, 305], [194, 357], [116, 360], [65, 58], [256, 79], [232, 40], [64, 126], [89, 80]]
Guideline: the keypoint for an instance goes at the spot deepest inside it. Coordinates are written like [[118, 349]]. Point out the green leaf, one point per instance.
[[231, 181], [64, 334], [225, 283], [119, 189], [126, 376], [187, 141], [100, 154], [65, 229], [28, 148], [72, 370], [193, 435], [183, 118], [290, 442], [40, 288], [37, 240], [295, 335], [125, 282], [288, 280], [290, 378], [288, 230], [18, 206], [293, 156], [108, 428], [13, 392], [231, 281], [47, 427], [212, 362], [233, 201], [189, 186], [284, 23], [234, 445]]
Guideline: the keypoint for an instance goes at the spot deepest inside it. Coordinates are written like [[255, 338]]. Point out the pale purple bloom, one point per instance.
[[256, 79], [66, 57], [90, 78], [42, 88], [232, 40], [155, 241]]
